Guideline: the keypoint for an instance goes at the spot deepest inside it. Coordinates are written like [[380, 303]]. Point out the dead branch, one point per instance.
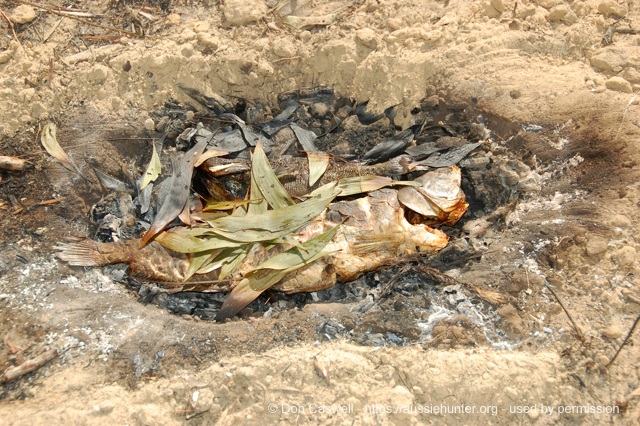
[[28, 366], [487, 295], [624, 342], [12, 163]]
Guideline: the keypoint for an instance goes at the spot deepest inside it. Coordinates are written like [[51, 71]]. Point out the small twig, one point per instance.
[[575, 326], [286, 59], [28, 366], [627, 31], [13, 348], [84, 21], [624, 342], [46, 203], [12, 29], [51, 31], [12, 163]]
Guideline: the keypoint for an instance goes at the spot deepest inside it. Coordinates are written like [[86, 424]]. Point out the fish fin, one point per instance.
[[78, 252]]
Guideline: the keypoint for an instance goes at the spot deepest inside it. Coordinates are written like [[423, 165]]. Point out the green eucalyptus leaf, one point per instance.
[[182, 242], [271, 271], [265, 178]]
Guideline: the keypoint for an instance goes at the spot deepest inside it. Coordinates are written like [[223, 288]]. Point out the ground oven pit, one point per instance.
[[524, 221]]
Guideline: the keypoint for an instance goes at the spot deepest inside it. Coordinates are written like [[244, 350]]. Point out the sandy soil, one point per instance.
[[526, 63]]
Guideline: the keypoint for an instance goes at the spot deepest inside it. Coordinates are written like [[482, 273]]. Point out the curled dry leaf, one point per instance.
[[51, 145], [363, 184], [153, 170], [211, 153]]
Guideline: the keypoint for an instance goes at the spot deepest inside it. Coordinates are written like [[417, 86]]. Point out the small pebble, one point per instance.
[[618, 84], [22, 14], [611, 7], [596, 246], [149, 124], [612, 332]]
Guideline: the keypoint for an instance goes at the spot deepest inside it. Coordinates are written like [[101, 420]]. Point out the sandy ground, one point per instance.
[[525, 63]]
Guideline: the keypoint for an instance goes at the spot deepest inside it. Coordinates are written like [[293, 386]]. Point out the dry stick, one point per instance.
[[627, 31], [12, 163], [575, 326], [12, 29], [28, 366], [624, 342], [84, 21]]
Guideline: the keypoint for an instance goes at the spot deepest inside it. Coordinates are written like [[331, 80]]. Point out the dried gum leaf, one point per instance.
[[199, 260], [226, 205], [232, 262], [180, 184], [153, 170], [222, 256], [182, 243], [259, 204], [318, 163], [297, 257], [305, 137], [247, 291], [211, 153], [283, 219], [51, 145], [364, 184]]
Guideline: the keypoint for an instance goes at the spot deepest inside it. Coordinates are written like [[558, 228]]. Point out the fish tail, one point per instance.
[[78, 252], [85, 252]]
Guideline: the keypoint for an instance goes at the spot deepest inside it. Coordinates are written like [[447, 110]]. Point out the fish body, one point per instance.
[[373, 234]]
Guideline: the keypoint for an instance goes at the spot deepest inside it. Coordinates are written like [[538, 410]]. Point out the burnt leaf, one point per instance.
[[180, 183]]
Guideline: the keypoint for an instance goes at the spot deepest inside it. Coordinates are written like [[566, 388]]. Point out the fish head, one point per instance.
[[439, 198]]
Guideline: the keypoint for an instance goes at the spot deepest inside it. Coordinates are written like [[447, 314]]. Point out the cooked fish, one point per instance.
[[438, 200], [373, 234]]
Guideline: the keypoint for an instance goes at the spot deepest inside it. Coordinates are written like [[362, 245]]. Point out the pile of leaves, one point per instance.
[[219, 235], [229, 230]]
